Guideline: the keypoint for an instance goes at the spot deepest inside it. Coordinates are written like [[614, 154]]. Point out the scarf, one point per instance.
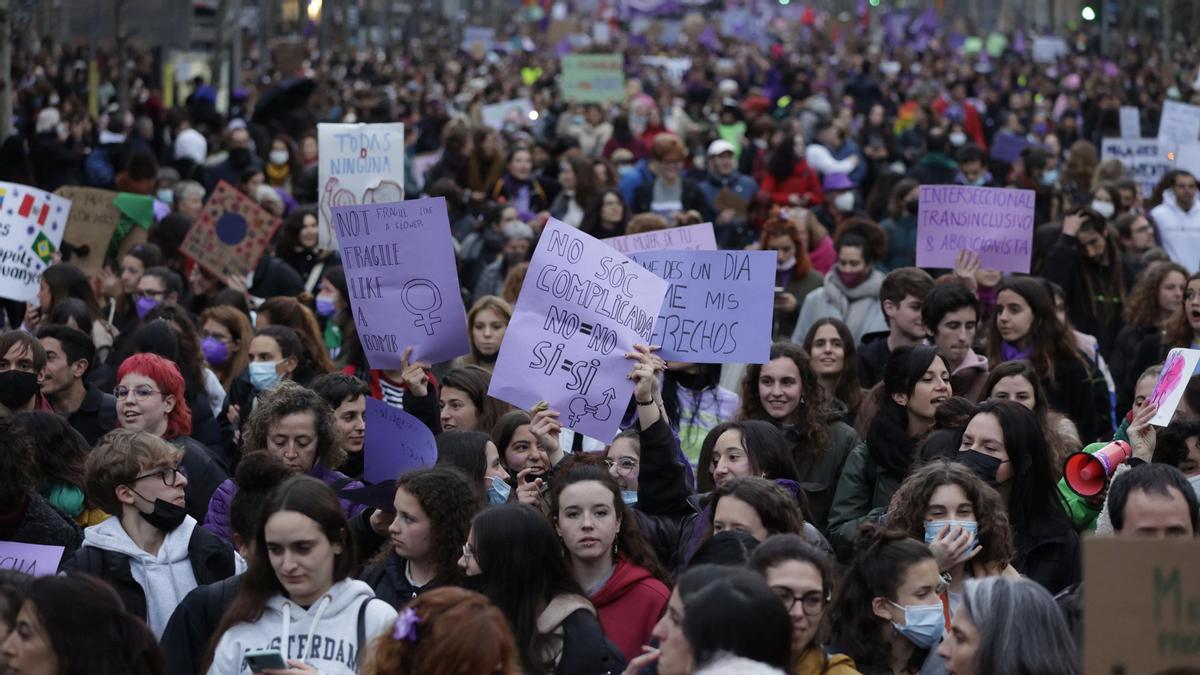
[[1011, 352], [278, 175]]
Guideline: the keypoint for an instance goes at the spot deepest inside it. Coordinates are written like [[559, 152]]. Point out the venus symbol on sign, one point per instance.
[[422, 297]]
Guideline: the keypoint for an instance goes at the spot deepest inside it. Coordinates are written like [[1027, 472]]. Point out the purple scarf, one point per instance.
[[1011, 352]]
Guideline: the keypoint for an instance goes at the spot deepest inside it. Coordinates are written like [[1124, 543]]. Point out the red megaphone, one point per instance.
[[1087, 473]]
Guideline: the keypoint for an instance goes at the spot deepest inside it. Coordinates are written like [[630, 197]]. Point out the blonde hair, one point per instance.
[[119, 458]]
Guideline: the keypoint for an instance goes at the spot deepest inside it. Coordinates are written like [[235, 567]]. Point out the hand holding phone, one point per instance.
[[265, 659]]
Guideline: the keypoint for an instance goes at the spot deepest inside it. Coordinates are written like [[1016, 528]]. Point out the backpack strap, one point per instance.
[[362, 629]]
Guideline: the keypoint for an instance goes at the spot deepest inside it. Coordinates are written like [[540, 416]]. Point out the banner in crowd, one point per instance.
[[1141, 605], [1179, 125], [394, 442], [690, 238], [90, 227], [1187, 158], [1144, 159], [1177, 371], [36, 560], [718, 306], [359, 164], [231, 235], [403, 281], [996, 223], [593, 78], [581, 309], [32, 223], [1047, 48], [1131, 122], [1007, 146], [478, 39], [497, 114]]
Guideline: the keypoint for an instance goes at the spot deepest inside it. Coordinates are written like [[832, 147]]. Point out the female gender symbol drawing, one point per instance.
[[422, 297]]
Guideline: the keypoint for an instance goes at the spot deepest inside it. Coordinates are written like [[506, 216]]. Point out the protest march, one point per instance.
[[600, 337]]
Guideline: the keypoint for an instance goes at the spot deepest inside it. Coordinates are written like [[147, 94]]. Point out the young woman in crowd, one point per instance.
[[607, 217], [887, 614], [474, 453], [1156, 297], [915, 382], [788, 179], [851, 288], [803, 578], [465, 405], [578, 182], [121, 288], [1018, 381], [514, 551], [434, 507], [1004, 446], [347, 396], [274, 356], [794, 276], [447, 631], [519, 187], [756, 506], [1181, 330], [487, 320], [623, 458], [1008, 625], [607, 554], [529, 451], [298, 585], [785, 392], [288, 312], [59, 453], [297, 246], [204, 387], [225, 335], [1025, 328], [834, 358], [695, 402], [332, 307]]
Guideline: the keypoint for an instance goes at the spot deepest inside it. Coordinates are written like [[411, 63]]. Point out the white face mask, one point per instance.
[[279, 157], [844, 202], [958, 138], [1105, 209]]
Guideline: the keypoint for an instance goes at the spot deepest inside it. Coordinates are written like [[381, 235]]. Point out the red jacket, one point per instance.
[[629, 605], [803, 181]]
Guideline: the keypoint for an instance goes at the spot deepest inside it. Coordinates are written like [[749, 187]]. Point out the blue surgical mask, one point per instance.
[[933, 527], [629, 497], [165, 196], [923, 624], [1050, 177], [325, 306], [498, 491], [264, 374]]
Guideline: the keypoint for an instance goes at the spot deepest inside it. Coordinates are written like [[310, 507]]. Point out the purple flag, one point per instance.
[[403, 281], [993, 222], [1007, 146], [35, 560], [395, 442], [582, 307]]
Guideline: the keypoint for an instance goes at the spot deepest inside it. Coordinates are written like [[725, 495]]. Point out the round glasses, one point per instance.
[[169, 475], [624, 465], [812, 602]]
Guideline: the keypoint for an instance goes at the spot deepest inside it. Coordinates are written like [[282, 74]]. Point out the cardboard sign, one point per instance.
[[1144, 159], [691, 238], [515, 111], [1177, 370], [593, 78], [32, 223], [36, 560], [403, 282], [719, 305], [993, 222], [1179, 124], [581, 309], [395, 442], [1131, 122], [1141, 605], [231, 234], [91, 226], [359, 164]]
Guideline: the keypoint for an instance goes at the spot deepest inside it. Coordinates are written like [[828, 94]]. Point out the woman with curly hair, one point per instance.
[[785, 392], [434, 508], [1156, 297], [960, 518]]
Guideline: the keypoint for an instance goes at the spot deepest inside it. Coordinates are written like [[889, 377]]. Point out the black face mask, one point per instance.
[[912, 207], [17, 387], [239, 156], [165, 516], [984, 466], [693, 381]]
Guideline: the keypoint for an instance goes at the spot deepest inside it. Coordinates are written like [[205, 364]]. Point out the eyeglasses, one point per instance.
[[468, 552], [812, 602], [624, 465], [169, 475], [140, 393]]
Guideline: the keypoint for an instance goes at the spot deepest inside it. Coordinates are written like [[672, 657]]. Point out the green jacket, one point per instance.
[[862, 496], [819, 473]]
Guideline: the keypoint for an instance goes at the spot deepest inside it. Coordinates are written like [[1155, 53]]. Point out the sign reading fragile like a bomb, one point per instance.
[[231, 235]]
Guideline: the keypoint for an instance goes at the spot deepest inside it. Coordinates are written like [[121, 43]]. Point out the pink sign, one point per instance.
[[33, 559], [996, 223], [691, 238]]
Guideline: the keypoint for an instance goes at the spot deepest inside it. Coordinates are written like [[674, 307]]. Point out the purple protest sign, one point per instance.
[[718, 307], [403, 282], [996, 223], [35, 560], [395, 442], [691, 238], [1007, 147], [582, 307]]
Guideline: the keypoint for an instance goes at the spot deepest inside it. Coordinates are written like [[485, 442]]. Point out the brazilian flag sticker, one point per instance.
[[43, 248]]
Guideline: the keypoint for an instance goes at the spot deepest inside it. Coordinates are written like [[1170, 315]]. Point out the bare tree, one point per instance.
[[6, 90]]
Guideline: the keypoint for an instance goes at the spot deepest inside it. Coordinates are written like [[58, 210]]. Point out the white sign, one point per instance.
[[1047, 49], [1143, 159], [1131, 122], [359, 164], [32, 223], [1179, 124], [515, 111]]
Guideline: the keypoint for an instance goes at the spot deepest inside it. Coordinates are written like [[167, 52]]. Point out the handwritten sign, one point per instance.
[[1131, 122], [32, 223], [593, 78], [1152, 624], [581, 309], [1144, 160], [718, 306], [993, 222], [36, 560], [91, 226], [1179, 124], [1177, 370], [1047, 49], [515, 111], [403, 283], [359, 164], [395, 442], [1007, 147], [231, 235], [691, 238]]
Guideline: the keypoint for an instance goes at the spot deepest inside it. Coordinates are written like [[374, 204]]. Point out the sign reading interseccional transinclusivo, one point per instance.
[[231, 235], [996, 223], [719, 305], [32, 223], [403, 283], [593, 78], [581, 309]]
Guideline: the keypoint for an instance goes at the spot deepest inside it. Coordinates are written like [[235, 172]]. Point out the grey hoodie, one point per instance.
[[325, 636]]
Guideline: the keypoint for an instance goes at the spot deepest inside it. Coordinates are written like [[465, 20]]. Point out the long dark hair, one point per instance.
[[1034, 493], [309, 497], [739, 615], [465, 451], [474, 380], [592, 217], [450, 501], [1048, 339], [67, 281], [782, 160], [1179, 328], [887, 433], [59, 450], [708, 377], [881, 560], [811, 416], [523, 569], [765, 446], [848, 389]]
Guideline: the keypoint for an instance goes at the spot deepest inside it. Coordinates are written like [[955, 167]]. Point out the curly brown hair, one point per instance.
[[289, 398], [908, 506], [778, 510], [1143, 308], [811, 416], [1179, 328], [450, 501]]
